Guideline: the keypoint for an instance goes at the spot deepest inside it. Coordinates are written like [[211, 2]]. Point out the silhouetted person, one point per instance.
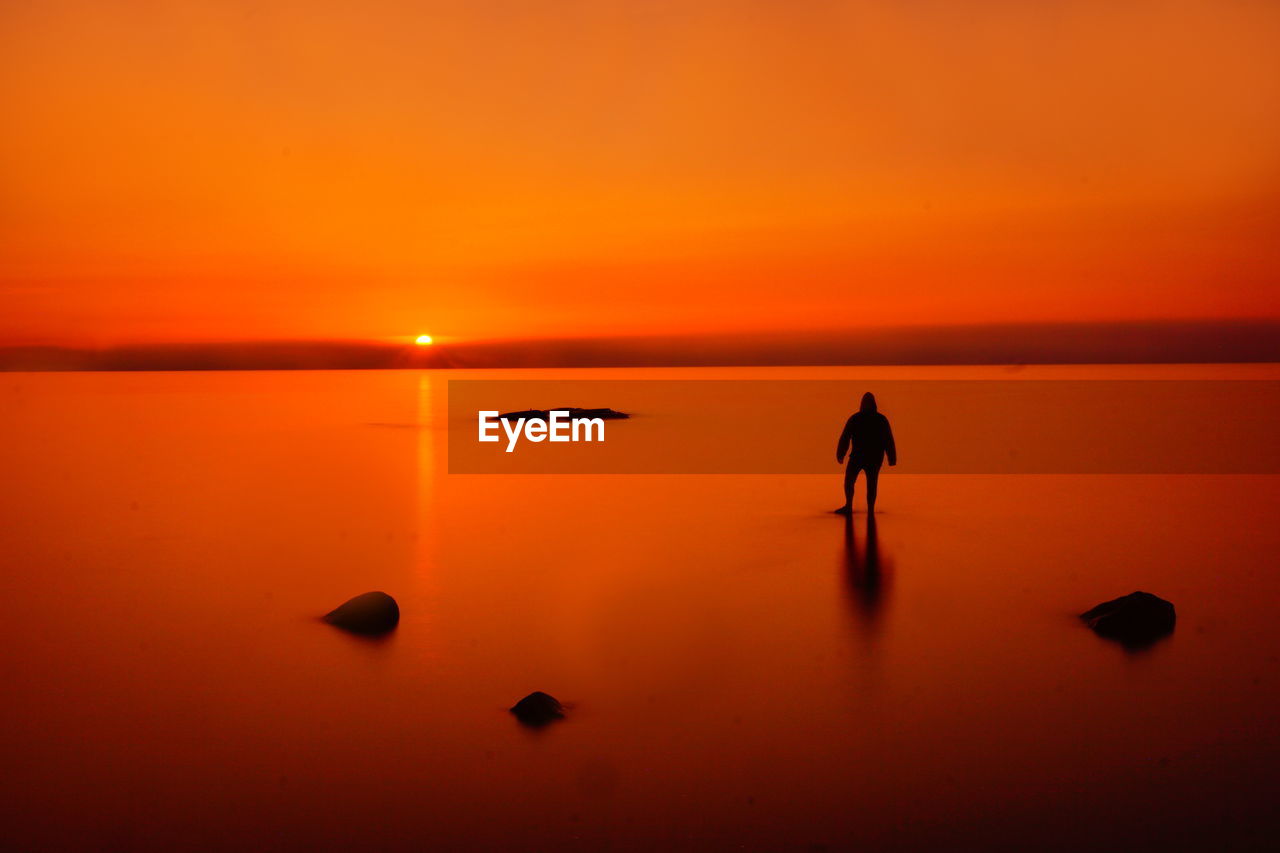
[[867, 439]]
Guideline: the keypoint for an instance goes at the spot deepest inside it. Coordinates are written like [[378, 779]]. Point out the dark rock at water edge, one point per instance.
[[1136, 619], [574, 414], [370, 614], [538, 709]]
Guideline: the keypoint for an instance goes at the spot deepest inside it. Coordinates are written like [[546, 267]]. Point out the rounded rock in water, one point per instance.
[[538, 709], [1136, 619], [370, 614]]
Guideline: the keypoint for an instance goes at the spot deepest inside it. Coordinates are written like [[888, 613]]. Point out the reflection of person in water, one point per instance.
[[867, 574], [867, 439]]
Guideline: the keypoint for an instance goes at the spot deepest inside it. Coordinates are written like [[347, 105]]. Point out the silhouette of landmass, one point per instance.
[[1221, 341], [574, 414]]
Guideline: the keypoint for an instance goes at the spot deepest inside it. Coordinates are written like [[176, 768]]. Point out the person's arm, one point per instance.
[[888, 443], [846, 437]]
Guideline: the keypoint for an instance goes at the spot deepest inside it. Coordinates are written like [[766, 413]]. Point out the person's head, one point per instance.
[[868, 402]]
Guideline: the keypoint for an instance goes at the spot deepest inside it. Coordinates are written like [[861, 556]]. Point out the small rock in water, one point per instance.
[[371, 614], [538, 709], [1136, 619]]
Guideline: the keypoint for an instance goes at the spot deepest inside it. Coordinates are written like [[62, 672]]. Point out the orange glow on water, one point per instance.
[[748, 671]]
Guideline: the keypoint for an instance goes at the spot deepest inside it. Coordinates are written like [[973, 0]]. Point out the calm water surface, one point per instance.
[[744, 669]]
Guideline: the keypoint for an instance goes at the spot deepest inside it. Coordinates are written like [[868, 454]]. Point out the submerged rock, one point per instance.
[[370, 614], [1135, 619], [538, 709], [574, 414]]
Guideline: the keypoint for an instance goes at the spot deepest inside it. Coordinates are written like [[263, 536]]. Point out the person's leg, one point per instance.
[[850, 478], [873, 477]]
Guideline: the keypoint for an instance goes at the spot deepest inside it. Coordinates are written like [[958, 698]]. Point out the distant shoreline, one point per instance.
[[1162, 342]]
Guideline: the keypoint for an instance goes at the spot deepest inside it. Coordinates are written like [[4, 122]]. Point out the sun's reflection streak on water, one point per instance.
[[430, 435]]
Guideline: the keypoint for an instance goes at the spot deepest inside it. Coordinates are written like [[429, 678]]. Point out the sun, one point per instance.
[[423, 340]]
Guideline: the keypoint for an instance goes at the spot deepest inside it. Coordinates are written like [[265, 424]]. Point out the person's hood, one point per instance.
[[868, 402]]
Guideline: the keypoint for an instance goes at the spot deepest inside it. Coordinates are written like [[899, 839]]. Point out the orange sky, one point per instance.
[[223, 170]]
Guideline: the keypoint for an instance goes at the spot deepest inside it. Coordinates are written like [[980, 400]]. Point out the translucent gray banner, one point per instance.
[[940, 426]]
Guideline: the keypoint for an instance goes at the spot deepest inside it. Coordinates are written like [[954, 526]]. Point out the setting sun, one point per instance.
[[423, 340]]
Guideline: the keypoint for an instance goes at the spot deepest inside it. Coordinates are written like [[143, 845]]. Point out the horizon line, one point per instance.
[[1237, 340]]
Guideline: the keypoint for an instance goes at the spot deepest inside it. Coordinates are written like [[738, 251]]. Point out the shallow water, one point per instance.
[[742, 672]]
